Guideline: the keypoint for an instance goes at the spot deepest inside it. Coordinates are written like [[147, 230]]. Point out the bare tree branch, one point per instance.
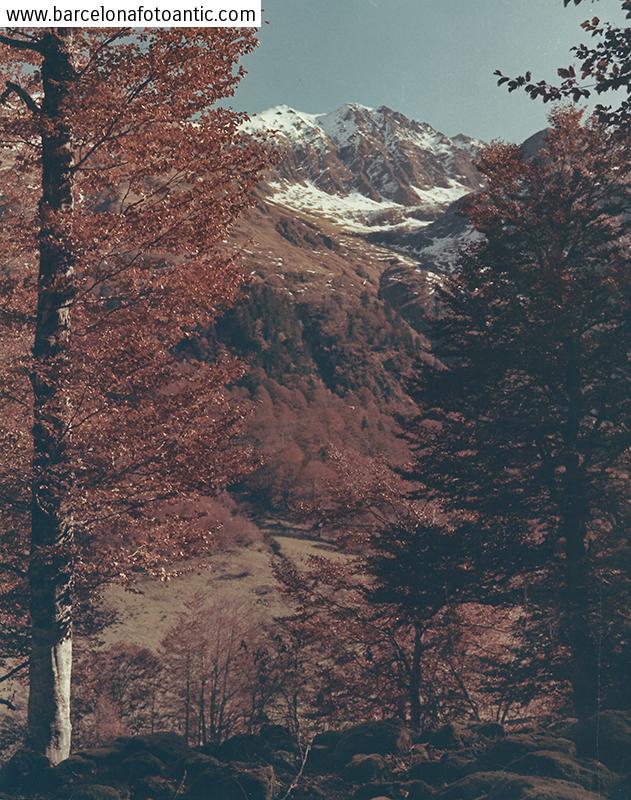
[[25, 97], [21, 44], [13, 672]]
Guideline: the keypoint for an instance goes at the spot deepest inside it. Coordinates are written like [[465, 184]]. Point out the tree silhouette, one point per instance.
[[524, 427]]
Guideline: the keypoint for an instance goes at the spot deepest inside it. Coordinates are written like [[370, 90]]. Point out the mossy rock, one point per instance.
[[167, 747], [383, 738], [320, 759], [245, 747], [327, 739], [77, 767], [233, 782], [194, 763], [139, 765], [506, 752], [432, 772], [311, 788], [508, 786], [590, 775], [279, 737], [489, 730], [455, 765], [375, 789], [154, 788], [29, 771], [95, 792], [417, 790], [521, 787], [451, 735], [100, 756], [212, 749], [362, 768], [474, 786], [607, 737]]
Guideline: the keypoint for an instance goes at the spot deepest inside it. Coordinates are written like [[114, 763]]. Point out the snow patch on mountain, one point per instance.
[[366, 169], [468, 143], [442, 195], [445, 251], [282, 121], [353, 212], [342, 126]]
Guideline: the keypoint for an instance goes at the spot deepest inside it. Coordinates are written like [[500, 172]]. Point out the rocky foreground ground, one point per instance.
[[376, 760]]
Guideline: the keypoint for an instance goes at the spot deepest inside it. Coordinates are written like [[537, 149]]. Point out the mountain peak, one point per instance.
[[282, 118], [366, 167], [345, 107], [287, 120]]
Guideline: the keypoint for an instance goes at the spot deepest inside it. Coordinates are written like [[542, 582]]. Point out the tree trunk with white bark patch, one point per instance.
[[50, 565]]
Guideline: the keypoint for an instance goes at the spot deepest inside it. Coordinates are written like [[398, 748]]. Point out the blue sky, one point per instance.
[[431, 59]]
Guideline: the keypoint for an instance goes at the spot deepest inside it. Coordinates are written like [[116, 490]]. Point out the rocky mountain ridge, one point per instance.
[[366, 168]]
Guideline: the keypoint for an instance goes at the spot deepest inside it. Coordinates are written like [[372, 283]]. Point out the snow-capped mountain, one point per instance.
[[353, 230], [366, 169]]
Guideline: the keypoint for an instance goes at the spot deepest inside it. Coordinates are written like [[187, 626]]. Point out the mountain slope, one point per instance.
[[334, 316]]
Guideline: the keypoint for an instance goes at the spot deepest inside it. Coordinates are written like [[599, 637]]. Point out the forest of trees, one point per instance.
[[482, 571]]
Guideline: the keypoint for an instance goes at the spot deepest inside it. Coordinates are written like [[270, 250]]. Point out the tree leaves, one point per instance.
[[606, 64], [531, 388], [160, 174]]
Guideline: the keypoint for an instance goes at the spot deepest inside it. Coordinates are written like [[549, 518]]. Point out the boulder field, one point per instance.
[[379, 760]]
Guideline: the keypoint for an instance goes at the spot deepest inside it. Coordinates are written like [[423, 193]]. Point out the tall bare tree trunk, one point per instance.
[[583, 651], [50, 564], [203, 735], [416, 674], [574, 516]]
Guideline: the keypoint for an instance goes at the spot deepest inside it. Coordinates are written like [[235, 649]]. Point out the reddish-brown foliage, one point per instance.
[[603, 68], [121, 181]]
